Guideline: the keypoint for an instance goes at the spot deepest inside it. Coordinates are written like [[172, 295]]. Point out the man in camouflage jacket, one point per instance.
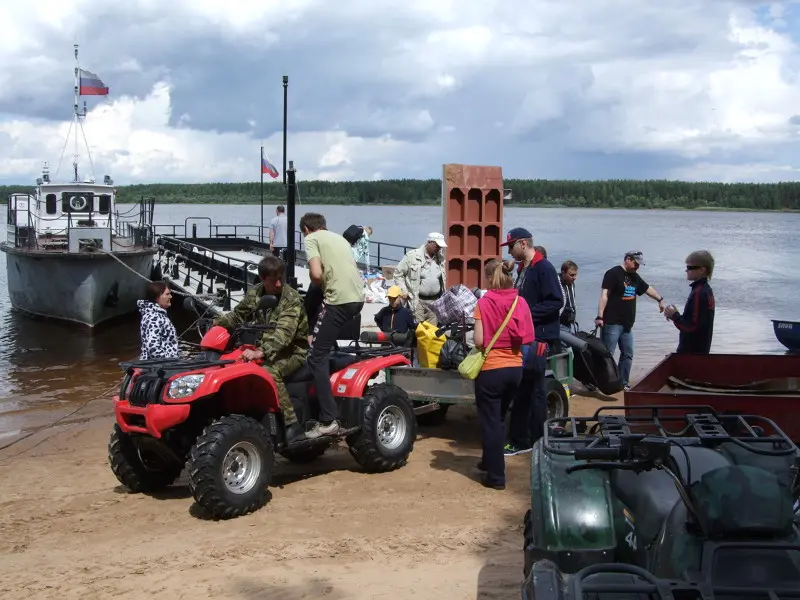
[[284, 349]]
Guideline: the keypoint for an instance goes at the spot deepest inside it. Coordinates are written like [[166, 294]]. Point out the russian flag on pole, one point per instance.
[[91, 85], [268, 168]]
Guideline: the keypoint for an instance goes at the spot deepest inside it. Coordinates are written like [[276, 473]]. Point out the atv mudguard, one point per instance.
[[571, 521]]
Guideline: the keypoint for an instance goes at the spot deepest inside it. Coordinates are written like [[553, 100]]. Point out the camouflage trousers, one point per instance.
[[278, 370]]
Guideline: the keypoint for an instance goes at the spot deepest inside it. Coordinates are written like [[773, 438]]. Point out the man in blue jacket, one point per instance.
[[537, 282]]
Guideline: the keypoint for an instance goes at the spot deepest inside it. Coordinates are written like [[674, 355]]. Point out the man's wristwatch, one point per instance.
[[660, 300], [598, 318]]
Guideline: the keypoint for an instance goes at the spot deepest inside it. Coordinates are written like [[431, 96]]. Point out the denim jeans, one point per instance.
[[613, 336]]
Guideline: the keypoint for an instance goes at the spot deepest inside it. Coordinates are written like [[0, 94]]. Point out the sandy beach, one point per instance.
[[426, 531]]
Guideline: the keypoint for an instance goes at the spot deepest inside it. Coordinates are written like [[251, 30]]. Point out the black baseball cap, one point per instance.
[[518, 233], [635, 255]]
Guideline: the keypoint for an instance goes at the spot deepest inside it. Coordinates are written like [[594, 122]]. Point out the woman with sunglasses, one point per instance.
[[696, 324]]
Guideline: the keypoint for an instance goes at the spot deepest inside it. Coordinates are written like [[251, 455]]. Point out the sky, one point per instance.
[[554, 89]]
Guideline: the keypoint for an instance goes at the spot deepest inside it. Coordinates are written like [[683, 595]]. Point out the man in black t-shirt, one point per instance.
[[616, 311]]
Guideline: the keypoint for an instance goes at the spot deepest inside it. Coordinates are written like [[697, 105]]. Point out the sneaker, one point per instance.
[[511, 450], [627, 388], [319, 430], [494, 486]]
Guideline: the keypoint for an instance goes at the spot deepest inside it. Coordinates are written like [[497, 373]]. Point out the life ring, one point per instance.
[[78, 203]]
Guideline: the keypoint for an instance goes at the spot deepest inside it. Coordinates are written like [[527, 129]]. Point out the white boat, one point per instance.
[[70, 254]]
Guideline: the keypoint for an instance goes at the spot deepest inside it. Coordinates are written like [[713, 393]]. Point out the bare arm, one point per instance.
[[315, 270], [651, 291], [477, 334], [601, 306]]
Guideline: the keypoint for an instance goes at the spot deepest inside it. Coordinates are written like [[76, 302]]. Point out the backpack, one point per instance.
[[353, 233], [595, 365]]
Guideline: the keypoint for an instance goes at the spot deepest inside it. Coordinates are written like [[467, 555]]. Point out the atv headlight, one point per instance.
[[185, 386]]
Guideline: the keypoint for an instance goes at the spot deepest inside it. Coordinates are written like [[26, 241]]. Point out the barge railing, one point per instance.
[[382, 254]]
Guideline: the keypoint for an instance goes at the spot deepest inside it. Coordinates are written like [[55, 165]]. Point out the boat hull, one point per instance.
[[788, 334], [85, 288]]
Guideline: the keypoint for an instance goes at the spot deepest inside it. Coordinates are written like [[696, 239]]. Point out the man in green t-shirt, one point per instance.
[[333, 269]]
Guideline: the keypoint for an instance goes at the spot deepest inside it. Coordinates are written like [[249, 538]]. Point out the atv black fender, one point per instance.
[[571, 521]]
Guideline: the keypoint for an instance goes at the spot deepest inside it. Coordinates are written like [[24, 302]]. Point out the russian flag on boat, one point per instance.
[[91, 85], [268, 168]]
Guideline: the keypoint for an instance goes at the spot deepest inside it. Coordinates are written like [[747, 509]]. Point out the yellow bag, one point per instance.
[[471, 366], [428, 345]]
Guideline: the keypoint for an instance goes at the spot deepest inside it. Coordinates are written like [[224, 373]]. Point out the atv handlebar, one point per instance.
[[456, 329]]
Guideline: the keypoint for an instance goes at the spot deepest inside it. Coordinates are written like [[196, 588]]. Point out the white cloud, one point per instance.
[[690, 89]]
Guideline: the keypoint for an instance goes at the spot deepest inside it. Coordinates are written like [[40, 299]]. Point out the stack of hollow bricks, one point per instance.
[[472, 203]]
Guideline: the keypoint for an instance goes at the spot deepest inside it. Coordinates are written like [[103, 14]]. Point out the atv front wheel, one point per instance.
[[557, 399], [388, 432], [230, 467], [135, 467]]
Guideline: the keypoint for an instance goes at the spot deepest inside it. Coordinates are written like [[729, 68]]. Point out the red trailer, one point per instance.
[[760, 384]]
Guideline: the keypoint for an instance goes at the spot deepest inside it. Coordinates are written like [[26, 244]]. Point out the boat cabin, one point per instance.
[[75, 217]]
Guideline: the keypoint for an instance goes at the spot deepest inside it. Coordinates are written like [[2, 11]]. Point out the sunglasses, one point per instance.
[[692, 267]]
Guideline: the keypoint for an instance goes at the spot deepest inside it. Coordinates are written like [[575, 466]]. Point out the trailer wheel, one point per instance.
[[433, 418], [557, 399]]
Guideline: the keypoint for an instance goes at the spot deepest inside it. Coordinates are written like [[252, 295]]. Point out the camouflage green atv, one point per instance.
[[659, 503]]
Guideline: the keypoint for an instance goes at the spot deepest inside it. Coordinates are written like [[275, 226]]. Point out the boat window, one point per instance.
[[72, 202], [50, 204], [105, 204]]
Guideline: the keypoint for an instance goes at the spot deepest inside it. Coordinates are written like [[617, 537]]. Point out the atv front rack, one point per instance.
[[615, 580], [617, 436]]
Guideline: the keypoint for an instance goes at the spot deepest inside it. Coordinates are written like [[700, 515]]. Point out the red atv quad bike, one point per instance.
[[218, 415]]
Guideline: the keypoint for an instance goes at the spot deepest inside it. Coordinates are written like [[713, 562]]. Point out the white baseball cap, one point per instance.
[[438, 238]]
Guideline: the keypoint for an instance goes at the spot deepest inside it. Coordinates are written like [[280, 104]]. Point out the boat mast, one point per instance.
[[77, 115]]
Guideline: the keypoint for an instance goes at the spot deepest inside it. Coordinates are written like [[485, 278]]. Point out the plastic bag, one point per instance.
[[452, 353]]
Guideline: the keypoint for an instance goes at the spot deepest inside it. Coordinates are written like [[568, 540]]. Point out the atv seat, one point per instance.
[[651, 495], [336, 362]]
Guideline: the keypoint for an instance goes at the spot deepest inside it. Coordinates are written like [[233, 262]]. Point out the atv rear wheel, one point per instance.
[[388, 432], [230, 467], [136, 468], [557, 399]]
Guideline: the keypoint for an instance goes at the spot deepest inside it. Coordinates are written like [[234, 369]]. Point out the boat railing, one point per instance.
[[134, 226], [382, 254]]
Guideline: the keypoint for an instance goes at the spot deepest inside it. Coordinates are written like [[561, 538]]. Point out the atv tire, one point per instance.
[[388, 432], [434, 418], [230, 467], [557, 399], [131, 471]]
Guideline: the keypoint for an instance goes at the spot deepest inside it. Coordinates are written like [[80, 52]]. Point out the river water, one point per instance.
[[48, 369]]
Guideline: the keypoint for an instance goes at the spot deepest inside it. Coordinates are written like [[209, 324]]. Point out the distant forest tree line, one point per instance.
[[617, 193]]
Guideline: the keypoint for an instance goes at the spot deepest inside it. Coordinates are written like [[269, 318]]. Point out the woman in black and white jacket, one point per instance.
[[158, 336]]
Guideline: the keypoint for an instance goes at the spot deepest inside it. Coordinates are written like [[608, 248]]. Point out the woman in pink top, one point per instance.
[[497, 383]]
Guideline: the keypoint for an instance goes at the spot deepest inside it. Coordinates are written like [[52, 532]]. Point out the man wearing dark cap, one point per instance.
[[616, 310], [537, 283]]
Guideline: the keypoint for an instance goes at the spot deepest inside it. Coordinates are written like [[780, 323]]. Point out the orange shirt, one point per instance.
[[499, 358]]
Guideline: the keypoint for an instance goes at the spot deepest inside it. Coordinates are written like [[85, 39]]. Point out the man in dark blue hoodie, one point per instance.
[[537, 282]]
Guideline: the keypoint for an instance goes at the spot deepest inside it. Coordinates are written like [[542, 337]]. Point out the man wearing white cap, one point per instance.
[[420, 276]]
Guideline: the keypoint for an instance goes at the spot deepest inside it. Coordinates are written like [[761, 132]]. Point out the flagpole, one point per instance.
[[261, 169], [285, 94]]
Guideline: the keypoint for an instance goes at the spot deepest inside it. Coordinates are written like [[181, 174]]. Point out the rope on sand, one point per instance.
[[109, 390], [56, 422]]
